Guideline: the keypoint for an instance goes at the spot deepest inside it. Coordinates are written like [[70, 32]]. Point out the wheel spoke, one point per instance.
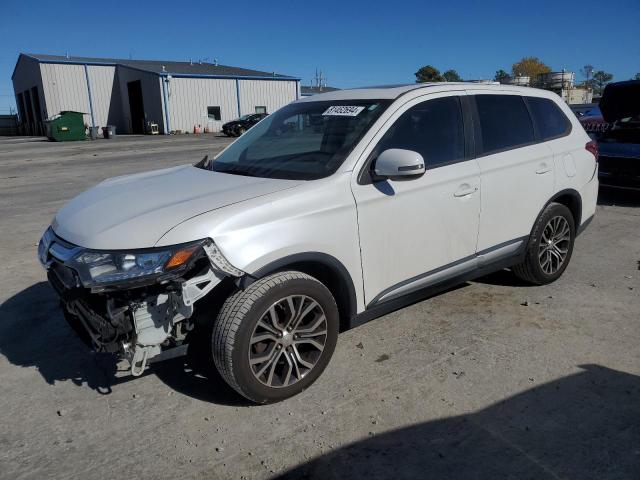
[[310, 341], [299, 358], [312, 334], [275, 321], [564, 234], [291, 363], [550, 262], [313, 327], [312, 305], [274, 364], [267, 327], [263, 337], [263, 358], [295, 364]]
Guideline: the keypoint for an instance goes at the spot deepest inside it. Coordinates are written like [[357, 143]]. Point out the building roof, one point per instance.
[[164, 67], [315, 90]]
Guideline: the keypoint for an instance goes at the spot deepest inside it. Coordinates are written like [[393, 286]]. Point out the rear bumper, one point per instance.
[[620, 168], [625, 182]]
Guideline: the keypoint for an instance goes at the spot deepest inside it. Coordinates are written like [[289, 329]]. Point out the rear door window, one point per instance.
[[433, 128], [549, 120], [505, 123]]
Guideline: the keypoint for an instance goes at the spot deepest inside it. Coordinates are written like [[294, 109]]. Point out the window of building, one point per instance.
[[214, 113], [433, 128], [261, 109], [549, 120], [504, 122]]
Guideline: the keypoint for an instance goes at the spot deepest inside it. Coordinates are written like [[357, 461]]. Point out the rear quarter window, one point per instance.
[[549, 120], [504, 121]]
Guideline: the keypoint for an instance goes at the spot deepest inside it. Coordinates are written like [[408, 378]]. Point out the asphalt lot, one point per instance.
[[490, 380]]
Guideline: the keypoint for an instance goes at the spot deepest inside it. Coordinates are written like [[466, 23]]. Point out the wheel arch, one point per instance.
[[327, 269], [571, 199]]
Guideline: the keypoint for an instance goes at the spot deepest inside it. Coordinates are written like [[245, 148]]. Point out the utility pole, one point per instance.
[[320, 80]]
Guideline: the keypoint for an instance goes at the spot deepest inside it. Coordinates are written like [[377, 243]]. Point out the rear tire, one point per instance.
[[550, 246], [274, 339]]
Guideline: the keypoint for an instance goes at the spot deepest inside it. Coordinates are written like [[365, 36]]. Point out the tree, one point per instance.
[[501, 76], [428, 73], [600, 79], [451, 76], [636, 76], [529, 67]]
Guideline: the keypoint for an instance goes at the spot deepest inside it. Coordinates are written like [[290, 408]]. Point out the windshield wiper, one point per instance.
[[238, 171]]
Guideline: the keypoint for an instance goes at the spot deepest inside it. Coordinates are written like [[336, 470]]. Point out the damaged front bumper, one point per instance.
[[140, 320]]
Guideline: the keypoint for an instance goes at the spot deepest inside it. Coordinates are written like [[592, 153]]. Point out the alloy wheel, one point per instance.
[[554, 244], [287, 341]]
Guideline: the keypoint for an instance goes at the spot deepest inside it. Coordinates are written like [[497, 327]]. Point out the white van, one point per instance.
[[330, 212]]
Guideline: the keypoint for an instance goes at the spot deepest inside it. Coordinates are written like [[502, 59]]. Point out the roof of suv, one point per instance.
[[395, 91]]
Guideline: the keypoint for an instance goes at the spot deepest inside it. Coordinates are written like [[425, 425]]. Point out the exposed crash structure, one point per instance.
[[136, 304]]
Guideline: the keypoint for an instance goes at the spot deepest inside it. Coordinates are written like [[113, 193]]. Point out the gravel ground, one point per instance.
[[490, 380]]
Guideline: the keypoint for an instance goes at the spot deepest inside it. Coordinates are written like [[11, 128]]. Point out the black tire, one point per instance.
[[237, 320], [531, 269], [240, 131]]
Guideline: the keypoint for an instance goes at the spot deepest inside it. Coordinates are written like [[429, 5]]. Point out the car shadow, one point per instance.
[[583, 426], [504, 278], [34, 334], [618, 197]]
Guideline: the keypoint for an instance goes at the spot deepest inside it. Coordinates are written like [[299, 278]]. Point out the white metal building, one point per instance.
[[132, 94]]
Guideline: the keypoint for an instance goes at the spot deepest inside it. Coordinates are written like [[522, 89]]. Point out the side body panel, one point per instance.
[[516, 184], [408, 227], [317, 216]]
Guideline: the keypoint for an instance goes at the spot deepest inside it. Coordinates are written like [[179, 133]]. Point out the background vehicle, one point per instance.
[[617, 131], [332, 211], [237, 127], [585, 109]]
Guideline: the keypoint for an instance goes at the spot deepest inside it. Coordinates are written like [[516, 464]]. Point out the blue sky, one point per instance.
[[353, 42]]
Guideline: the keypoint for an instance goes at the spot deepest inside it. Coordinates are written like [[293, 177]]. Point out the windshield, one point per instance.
[[245, 117], [302, 141]]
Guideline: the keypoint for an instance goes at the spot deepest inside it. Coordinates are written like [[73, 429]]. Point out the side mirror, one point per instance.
[[397, 162]]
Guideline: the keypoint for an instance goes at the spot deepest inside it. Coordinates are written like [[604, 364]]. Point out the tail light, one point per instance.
[[592, 147]]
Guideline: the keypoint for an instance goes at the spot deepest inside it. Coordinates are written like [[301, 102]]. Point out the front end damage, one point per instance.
[[143, 319]]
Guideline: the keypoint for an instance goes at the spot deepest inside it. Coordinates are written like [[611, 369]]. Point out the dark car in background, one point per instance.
[[237, 127], [582, 109], [617, 131]]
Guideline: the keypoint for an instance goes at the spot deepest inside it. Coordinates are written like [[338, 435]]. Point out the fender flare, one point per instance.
[[318, 258], [572, 193]]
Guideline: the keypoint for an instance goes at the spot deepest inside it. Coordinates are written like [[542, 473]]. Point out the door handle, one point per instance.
[[544, 168], [465, 190]]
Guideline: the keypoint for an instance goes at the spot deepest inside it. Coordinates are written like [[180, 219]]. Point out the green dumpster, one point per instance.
[[65, 126]]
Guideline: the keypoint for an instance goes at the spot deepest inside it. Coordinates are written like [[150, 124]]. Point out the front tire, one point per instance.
[[550, 246], [274, 339]]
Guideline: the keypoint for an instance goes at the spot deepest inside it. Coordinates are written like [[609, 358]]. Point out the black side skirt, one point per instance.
[[374, 311]]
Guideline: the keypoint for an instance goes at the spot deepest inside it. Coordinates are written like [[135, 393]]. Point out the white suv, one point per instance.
[[332, 211]]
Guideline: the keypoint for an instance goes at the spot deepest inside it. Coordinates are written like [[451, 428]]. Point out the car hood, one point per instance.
[[620, 100], [135, 211]]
